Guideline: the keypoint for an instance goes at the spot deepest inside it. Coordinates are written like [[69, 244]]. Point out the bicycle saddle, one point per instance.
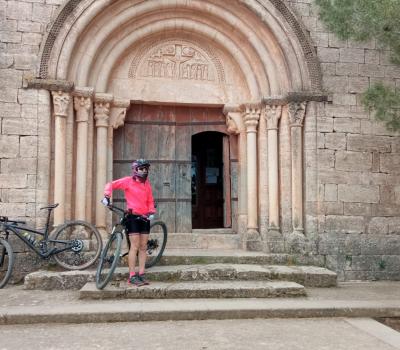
[[50, 206]]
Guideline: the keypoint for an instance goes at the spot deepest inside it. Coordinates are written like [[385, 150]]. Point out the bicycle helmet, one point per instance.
[[140, 164]]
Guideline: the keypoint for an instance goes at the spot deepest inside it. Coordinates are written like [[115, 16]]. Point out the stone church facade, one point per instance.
[[249, 111]]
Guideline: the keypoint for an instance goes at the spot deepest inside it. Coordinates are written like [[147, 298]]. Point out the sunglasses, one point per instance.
[[142, 168]]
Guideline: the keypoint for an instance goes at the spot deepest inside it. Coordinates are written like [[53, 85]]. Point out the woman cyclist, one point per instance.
[[140, 205]]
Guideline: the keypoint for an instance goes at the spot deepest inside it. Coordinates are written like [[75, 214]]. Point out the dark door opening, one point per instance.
[[207, 180]]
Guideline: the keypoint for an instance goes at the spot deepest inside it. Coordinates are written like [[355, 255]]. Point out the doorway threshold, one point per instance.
[[223, 231]]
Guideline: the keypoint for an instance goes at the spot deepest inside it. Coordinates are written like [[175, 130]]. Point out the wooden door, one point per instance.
[[162, 134]]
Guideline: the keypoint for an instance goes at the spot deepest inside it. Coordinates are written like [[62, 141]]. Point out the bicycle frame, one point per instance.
[[43, 250]]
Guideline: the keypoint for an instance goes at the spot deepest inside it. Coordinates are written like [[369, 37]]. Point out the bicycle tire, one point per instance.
[[104, 277], [87, 245], [6, 258], [157, 243]]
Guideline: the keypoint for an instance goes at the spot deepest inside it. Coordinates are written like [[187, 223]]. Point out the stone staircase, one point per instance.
[[200, 273]]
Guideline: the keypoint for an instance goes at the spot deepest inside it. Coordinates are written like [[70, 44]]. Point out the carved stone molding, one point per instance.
[[118, 112], [232, 112], [50, 84], [61, 101], [272, 114], [297, 112]]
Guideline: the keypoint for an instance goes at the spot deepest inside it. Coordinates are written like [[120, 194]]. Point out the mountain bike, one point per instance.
[[75, 245], [111, 253]]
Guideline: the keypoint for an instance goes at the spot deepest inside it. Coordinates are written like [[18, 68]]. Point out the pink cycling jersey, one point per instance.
[[138, 195]]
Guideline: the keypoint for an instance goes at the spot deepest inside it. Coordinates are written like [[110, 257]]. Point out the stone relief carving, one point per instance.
[[297, 112], [272, 114], [177, 60], [61, 101]]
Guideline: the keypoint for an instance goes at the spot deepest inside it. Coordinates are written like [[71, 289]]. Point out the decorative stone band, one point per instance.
[[49, 84], [61, 101]]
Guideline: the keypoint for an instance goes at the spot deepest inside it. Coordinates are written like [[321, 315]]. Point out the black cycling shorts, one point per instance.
[[136, 224]]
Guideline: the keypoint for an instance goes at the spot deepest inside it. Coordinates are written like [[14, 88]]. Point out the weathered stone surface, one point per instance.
[[335, 141], [369, 143], [9, 146], [361, 194], [353, 161], [19, 166], [180, 290], [344, 224]]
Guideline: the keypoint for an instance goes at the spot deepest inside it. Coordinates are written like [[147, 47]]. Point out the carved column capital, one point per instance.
[[102, 109], [233, 113], [272, 114], [297, 112], [82, 106], [118, 112], [61, 101]]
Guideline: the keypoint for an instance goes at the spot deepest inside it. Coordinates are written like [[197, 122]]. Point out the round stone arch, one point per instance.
[[267, 44], [196, 52]]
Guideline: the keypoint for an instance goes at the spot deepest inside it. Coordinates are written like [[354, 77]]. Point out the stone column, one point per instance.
[[60, 102], [251, 118], [83, 105], [101, 116], [235, 126], [296, 118], [272, 115]]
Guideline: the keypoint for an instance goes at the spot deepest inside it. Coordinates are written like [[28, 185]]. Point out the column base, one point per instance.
[[274, 242], [297, 243], [253, 240]]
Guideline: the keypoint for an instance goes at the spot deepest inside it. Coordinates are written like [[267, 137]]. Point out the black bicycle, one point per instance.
[[111, 254], [75, 245]]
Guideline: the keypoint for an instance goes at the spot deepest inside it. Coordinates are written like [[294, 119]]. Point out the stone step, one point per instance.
[[309, 276], [196, 289], [234, 256], [204, 239]]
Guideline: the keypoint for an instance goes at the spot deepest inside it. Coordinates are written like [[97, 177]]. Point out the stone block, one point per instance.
[[29, 111], [11, 78], [9, 146], [8, 94], [6, 61], [394, 225], [28, 146], [347, 125], [351, 55], [385, 210], [358, 84], [19, 10], [321, 39], [19, 49], [390, 163], [12, 209], [19, 166], [328, 54], [335, 110], [30, 27], [42, 13], [328, 68], [353, 161], [13, 181], [10, 37], [358, 193], [344, 99], [372, 56], [371, 70], [331, 208], [363, 143], [25, 61], [32, 38], [334, 41], [7, 25], [335, 83], [369, 127], [392, 71], [357, 209], [331, 192], [335, 141], [320, 140], [344, 224], [20, 195], [20, 126], [346, 69], [378, 226], [325, 124], [28, 96], [326, 158]]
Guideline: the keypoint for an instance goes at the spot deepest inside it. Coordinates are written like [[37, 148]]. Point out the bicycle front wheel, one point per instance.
[[157, 242], [109, 260], [84, 242], [6, 262]]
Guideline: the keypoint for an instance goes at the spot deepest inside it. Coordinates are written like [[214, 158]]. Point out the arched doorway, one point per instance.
[[210, 180]]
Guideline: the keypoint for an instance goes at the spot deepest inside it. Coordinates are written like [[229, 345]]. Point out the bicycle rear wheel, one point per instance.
[[109, 260], [157, 242], [84, 241], [6, 262]]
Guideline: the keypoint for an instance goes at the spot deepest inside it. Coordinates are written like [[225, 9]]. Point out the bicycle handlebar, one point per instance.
[[6, 219]]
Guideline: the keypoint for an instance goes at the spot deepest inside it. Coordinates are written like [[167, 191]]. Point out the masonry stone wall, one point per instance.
[[357, 226]]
